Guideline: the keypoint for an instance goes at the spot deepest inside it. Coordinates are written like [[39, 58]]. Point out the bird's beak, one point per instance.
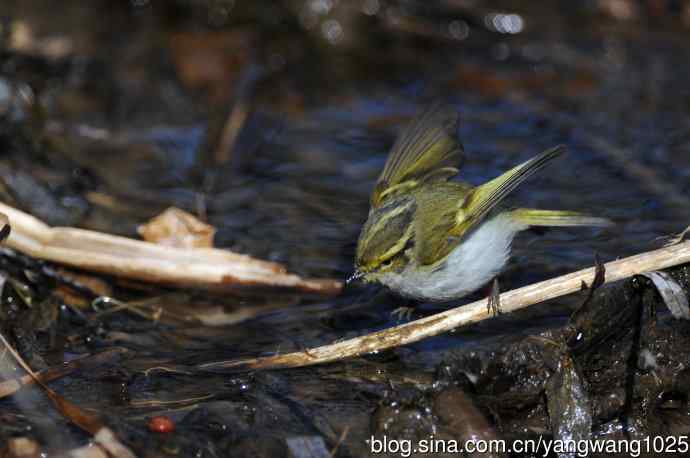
[[356, 275]]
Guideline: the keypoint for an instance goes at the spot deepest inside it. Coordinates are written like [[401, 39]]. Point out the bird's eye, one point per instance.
[[387, 264]]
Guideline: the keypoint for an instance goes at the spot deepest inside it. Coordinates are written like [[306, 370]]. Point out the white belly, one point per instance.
[[472, 264]]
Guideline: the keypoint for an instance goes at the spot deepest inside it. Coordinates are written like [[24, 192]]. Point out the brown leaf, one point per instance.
[[210, 60], [177, 228]]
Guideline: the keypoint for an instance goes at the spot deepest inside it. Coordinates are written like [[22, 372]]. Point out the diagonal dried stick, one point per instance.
[[207, 268], [103, 436], [87, 422], [461, 316], [9, 387]]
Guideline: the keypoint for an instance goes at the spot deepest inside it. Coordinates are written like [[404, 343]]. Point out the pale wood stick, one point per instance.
[[466, 314], [208, 268]]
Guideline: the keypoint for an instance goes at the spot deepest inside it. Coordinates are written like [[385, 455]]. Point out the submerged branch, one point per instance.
[[9, 387], [207, 268], [464, 315]]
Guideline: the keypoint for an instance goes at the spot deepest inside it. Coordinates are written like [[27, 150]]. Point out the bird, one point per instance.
[[431, 238]]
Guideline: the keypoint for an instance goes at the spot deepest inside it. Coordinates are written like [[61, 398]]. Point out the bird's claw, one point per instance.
[[403, 313], [493, 306]]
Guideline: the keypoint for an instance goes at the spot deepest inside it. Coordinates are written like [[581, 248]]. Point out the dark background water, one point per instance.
[[111, 111]]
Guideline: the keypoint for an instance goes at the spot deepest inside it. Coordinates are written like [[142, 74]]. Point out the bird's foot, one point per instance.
[[493, 306], [403, 313]]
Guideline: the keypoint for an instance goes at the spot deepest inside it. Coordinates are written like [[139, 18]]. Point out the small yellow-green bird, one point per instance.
[[428, 238]]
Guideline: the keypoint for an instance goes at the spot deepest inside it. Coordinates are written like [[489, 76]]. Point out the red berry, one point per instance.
[[161, 424]]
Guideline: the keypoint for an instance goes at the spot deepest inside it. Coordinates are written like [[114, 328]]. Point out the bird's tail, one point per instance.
[[535, 217]]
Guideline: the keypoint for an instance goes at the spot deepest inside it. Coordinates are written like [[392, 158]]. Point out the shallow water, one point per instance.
[[120, 121]]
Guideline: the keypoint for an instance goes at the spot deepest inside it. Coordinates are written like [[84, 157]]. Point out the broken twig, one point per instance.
[[207, 268], [9, 387], [464, 315], [90, 423]]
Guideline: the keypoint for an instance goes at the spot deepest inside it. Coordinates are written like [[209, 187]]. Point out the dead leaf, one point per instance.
[[211, 60], [177, 228], [671, 292]]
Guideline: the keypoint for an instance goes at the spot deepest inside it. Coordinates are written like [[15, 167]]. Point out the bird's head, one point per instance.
[[384, 239]]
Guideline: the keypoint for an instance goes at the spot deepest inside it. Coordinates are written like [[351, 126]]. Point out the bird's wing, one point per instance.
[[427, 150], [446, 212], [436, 211], [482, 199]]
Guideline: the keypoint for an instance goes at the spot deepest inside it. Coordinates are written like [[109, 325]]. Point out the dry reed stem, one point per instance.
[[464, 315], [207, 268]]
